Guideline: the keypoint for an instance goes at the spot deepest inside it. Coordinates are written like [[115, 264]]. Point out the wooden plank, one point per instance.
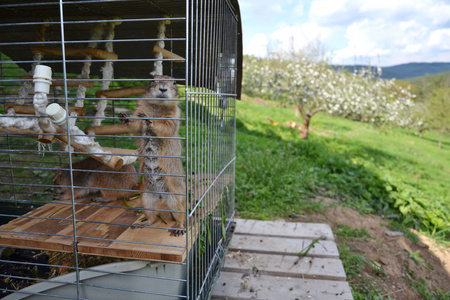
[[110, 229], [285, 265], [284, 229], [94, 234], [233, 286], [283, 246]]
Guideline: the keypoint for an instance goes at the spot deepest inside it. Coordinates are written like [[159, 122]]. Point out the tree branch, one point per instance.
[[315, 111]]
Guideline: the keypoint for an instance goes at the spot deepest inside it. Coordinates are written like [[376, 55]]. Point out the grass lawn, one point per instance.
[[390, 172]]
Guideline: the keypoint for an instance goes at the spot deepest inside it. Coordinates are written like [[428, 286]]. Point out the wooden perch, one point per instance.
[[120, 151], [29, 109], [98, 53], [72, 83], [25, 132], [45, 138], [107, 129], [115, 162], [122, 93], [167, 54]]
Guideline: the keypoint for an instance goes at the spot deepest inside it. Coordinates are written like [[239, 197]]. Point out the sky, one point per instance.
[[375, 32]]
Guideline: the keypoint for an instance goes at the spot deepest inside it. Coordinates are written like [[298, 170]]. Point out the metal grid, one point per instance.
[[57, 247]]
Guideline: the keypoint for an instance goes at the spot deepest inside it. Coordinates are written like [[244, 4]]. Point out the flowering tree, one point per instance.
[[364, 96], [301, 84], [311, 87]]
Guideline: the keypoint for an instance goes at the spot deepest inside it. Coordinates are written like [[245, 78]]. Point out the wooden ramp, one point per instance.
[[262, 263]]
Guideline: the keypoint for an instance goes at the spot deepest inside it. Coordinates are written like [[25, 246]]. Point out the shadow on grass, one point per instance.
[[436, 142]]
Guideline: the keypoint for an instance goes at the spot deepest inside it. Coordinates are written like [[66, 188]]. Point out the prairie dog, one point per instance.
[[94, 181], [156, 169]]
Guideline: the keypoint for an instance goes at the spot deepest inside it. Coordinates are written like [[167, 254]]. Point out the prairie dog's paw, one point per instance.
[[177, 230], [123, 118], [147, 121]]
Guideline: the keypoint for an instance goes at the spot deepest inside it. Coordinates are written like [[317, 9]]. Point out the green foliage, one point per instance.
[[347, 231], [434, 102], [392, 173]]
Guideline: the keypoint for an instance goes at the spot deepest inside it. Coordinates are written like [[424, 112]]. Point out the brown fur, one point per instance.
[[163, 87], [95, 182]]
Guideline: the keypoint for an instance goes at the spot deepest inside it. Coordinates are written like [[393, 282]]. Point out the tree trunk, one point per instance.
[[304, 130], [306, 118]]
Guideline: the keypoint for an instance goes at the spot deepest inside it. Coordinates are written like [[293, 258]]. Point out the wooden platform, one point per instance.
[[111, 229], [262, 263], [50, 227]]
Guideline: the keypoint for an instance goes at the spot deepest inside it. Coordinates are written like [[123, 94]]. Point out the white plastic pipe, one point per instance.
[[42, 79], [57, 114]]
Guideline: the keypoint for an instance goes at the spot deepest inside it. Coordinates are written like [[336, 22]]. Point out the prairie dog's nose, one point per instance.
[[163, 89]]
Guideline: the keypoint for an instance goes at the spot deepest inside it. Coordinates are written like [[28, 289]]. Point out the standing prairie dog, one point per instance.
[[158, 124], [93, 182]]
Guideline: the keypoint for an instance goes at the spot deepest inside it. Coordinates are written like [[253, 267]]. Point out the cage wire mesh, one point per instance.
[[78, 194]]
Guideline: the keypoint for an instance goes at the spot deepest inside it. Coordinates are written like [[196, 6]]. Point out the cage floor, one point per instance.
[[113, 230]]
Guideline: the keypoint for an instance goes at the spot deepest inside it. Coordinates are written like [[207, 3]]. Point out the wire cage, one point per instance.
[[117, 147]]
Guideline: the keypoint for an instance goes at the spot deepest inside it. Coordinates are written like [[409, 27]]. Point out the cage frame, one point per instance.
[[212, 268]]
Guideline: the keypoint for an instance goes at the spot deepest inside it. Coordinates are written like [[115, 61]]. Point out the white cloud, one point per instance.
[[390, 31], [333, 12], [299, 10], [439, 38], [257, 46], [297, 37], [383, 31], [415, 48]]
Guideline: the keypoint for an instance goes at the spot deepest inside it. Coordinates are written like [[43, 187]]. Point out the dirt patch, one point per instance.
[[388, 262]]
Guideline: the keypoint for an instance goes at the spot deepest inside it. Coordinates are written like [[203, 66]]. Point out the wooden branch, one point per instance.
[[24, 132], [98, 53], [167, 54], [122, 93], [115, 162], [72, 83], [45, 138], [107, 129], [29, 109], [120, 151]]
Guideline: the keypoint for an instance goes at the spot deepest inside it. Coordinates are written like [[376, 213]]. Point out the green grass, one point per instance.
[[390, 172]]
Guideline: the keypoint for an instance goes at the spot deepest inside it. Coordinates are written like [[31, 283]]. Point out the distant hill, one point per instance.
[[405, 71]]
